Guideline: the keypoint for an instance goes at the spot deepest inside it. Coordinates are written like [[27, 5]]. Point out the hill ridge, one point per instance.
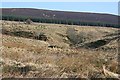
[[55, 14]]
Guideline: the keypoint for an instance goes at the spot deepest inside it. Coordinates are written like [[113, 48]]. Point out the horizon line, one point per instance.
[[91, 12]]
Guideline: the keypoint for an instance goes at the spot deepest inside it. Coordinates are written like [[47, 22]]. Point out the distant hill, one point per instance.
[[64, 15]]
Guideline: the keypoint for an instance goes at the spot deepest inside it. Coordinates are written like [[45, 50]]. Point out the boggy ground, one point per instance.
[[58, 51]]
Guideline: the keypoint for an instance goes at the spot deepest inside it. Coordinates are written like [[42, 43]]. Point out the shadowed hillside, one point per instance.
[[63, 15]]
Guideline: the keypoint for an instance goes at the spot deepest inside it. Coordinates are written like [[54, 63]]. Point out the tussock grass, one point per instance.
[[55, 57]]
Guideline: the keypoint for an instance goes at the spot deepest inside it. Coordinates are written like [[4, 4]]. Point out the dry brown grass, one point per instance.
[[60, 61]]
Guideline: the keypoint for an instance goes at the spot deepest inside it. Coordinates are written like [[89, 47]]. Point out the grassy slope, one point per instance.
[[39, 60]]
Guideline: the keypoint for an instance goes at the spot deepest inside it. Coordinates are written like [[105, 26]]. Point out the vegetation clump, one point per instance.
[[28, 21]]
